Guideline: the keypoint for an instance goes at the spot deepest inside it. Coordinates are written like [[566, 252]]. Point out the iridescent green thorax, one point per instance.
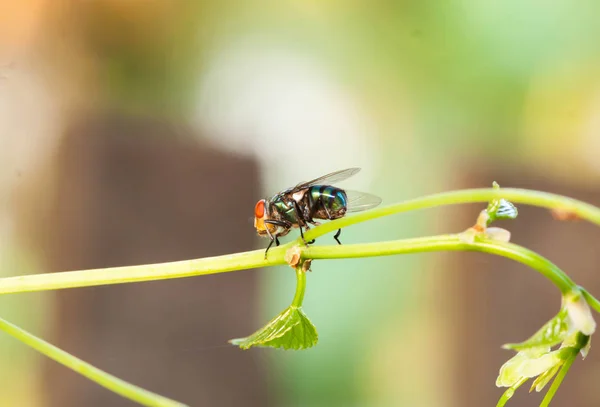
[[282, 210]]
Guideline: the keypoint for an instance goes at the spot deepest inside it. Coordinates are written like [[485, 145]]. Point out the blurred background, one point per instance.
[[145, 131]]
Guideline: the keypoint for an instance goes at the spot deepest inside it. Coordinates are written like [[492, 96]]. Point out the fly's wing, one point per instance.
[[329, 179], [361, 201]]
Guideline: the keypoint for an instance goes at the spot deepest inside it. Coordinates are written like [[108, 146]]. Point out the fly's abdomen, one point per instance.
[[328, 202]]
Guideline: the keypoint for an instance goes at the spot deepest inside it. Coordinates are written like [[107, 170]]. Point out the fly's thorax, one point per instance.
[[298, 196], [280, 208], [275, 213]]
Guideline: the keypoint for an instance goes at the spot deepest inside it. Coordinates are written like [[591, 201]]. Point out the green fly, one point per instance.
[[298, 207]]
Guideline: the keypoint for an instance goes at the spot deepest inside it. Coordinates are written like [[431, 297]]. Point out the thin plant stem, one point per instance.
[[135, 393], [558, 380], [139, 273], [254, 259], [507, 395], [583, 210], [300, 287], [446, 243], [591, 300]]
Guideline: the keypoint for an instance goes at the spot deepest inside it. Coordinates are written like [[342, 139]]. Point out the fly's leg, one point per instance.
[[337, 235], [281, 223], [307, 228], [309, 217], [268, 247], [301, 221], [270, 235], [275, 239], [311, 207]]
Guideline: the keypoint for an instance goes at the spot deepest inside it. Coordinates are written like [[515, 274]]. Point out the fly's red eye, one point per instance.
[[259, 209]]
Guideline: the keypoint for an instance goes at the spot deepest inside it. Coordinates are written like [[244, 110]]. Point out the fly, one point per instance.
[[298, 207]]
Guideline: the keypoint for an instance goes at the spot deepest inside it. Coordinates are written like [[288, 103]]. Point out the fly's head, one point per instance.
[[260, 215]]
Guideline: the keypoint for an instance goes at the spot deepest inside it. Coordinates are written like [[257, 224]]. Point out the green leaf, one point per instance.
[[552, 333], [511, 371], [500, 208], [537, 366], [506, 210], [541, 362], [289, 330], [542, 380], [531, 363]]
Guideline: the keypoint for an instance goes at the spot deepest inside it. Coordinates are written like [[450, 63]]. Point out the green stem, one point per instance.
[[253, 259], [446, 243], [507, 395], [300, 287], [524, 196], [104, 379], [593, 302], [147, 272], [558, 380]]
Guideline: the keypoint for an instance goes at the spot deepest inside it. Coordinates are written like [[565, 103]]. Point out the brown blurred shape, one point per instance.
[[135, 191]]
